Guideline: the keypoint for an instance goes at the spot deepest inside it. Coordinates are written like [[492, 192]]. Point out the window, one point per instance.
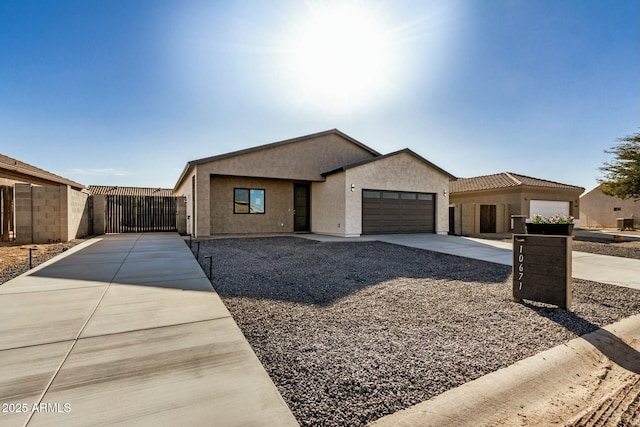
[[390, 195], [425, 196], [617, 209], [367, 194], [408, 196], [248, 201]]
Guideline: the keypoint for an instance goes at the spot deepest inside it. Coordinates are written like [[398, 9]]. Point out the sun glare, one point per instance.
[[341, 57]]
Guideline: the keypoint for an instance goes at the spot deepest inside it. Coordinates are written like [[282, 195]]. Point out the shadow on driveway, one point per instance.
[[310, 272]]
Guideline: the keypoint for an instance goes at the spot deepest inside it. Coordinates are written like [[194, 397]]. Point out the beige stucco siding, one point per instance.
[[278, 216], [402, 172], [597, 210], [508, 201], [303, 160], [328, 205]]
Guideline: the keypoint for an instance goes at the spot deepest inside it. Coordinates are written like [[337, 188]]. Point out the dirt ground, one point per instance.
[[14, 257]]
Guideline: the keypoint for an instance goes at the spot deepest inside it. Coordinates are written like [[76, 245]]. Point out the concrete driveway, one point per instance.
[[598, 268], [127, 330]]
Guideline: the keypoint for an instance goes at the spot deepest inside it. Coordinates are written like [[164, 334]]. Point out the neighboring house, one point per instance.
[[115, 190], [485, 204], [39, 206], [597, 210], [326, 183]]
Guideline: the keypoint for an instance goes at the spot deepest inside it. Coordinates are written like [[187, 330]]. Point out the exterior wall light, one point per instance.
[[444, 193], [353, 187]]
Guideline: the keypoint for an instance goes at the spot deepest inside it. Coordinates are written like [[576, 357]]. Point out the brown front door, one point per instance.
[[301, 208], [487, 218]]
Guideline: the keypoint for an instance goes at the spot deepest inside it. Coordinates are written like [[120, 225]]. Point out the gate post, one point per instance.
[[99, 210], [181, 215]]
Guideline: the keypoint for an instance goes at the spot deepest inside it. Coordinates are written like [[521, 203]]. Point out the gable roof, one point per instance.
[[193, 163], [114, 190], [18, 168], [395, 153], [504, 180]]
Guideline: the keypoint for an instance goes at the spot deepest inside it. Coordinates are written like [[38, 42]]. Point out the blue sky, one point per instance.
[[126, 92]]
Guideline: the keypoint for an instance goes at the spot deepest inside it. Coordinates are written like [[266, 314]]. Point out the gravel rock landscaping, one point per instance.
[[352, 331], [621, 249]]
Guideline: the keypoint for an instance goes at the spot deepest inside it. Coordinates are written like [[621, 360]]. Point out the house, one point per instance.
[[326, 183], [597, 210], [485, 204], [38, 206]]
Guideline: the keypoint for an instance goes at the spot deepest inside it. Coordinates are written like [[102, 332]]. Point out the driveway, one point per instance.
[[598, 268], [127, 330]]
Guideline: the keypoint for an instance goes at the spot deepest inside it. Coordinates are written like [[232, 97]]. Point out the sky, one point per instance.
[[127, 92]]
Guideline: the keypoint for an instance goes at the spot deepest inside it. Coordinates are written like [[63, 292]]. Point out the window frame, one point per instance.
[[249, 190]]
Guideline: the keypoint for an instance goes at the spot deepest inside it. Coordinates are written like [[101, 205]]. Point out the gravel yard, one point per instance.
[[353, 331], [14, 258], [621, 249]]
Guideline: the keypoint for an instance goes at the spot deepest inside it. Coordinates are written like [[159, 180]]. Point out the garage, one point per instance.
[[549, 207], [397, 212]]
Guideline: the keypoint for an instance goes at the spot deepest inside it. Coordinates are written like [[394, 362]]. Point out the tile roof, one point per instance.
[[504, 180], [16, 166], [114, 190]]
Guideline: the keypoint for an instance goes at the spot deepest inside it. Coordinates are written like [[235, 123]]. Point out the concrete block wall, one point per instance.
[[50, 213], [78, 213], [181, 217], [22, 206], [99, 209]]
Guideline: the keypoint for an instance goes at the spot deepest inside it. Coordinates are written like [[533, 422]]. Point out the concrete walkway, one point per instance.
[[598, 268], [127, 330]]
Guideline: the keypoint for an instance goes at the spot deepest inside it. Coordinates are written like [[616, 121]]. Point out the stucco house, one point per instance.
[[326, 183], [485, 204], [38, 206], [597, 210]]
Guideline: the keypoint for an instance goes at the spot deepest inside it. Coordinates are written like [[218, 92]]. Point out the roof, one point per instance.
[[375, 159], [193, 163], [21, 168], [505, 180], [114, 190]]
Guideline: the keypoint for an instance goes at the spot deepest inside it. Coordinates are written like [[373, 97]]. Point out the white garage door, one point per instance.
[[548, 208]]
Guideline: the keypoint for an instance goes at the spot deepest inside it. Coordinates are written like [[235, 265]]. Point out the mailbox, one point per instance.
[[542, 269]]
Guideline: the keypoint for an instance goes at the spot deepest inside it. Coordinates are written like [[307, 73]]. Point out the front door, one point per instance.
[[301, 209], [487, 218]]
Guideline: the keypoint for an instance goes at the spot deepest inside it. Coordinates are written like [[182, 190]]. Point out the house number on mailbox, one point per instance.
[[520, 267]]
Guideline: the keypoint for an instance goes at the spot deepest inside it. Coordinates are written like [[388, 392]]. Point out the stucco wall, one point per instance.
[[278, 216], [303, 160], [328, 205], [402, 172], [597, 210]]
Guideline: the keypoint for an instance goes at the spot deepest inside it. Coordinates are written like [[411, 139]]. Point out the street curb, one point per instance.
[[554, 386]]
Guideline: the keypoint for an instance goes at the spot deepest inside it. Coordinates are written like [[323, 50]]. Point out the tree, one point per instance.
[[622, 175]]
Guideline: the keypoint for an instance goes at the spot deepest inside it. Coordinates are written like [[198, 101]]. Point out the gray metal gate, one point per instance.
[[135, 214]]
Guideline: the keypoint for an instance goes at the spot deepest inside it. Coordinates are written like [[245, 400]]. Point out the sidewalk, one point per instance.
[[127, 329]]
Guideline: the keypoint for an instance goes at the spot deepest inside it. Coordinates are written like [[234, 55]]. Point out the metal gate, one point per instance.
[[135, 214]]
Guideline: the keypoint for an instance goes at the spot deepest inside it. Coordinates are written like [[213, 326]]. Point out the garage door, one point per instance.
[[548, 208], [397, 212]]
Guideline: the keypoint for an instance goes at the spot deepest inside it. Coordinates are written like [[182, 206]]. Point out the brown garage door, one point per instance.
[[397, 212]]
